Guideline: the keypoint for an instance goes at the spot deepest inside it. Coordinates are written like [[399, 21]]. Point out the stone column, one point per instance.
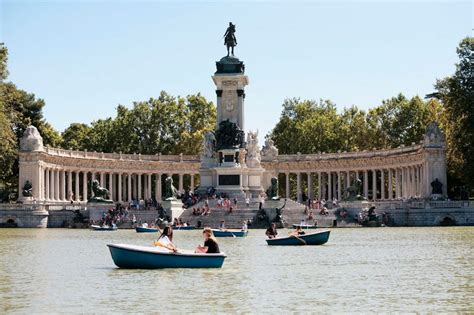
[[339, 188], [69, 185], [84, 186], [57, 189], [62, 185], [76, 187], [139, 179], [310, 186], [46, 184], [374, 184], [148, 189], [287, 185], [403, 184], [329, 185], [119, 179], [110, 187], [382, 184], [158, 187], [390, 186], [348, 179], [92, 180], [180, 185], [299, 196], [319, 185], [102, 181], [192, 183], [129, 187], [366, 184]]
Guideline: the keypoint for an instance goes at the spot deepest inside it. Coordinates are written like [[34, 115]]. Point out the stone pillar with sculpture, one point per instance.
[[30, 176], [435, 178]]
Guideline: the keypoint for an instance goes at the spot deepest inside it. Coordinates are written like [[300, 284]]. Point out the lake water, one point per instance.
[[358, 270]]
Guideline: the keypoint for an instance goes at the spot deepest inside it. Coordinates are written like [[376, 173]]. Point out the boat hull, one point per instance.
[[143, 257], [140, 229], [229, 233], [103, 228], [317, 238]]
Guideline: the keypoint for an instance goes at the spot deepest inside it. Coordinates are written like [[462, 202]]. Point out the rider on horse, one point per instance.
[[229, 38]]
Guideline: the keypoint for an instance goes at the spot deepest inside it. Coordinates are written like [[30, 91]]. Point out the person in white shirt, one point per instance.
[[244, 226], [166, 239]]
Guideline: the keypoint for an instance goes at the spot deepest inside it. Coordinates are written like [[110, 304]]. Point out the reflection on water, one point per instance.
[[359, 270]]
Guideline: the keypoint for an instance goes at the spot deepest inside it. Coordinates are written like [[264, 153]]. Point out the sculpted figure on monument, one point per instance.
[[353, 192], [209, 144], [253, 152], [101, 194], [269, 149], [170, 191], [437, 187], [229, 136], [272, 192], [27, 189], [229, 38], [31, 140]]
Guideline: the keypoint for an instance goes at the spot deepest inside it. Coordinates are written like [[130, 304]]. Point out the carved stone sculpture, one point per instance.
[[436, 187], [101, 194], [170, 192], [27, 189], [272, 192], [253, 152], [209, 143], [353, 192], [229, 136], [269, 149], [31, 140]]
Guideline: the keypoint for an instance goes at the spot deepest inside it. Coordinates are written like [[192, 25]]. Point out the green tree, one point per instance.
[[456, 93], [76, 136]]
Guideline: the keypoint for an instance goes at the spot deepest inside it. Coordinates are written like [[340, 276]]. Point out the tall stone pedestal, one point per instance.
[[174, 208]]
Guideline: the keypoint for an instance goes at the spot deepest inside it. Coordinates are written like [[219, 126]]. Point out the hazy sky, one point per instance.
[[85, 57]]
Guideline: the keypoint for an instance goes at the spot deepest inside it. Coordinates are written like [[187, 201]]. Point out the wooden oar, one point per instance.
[[299, 238]]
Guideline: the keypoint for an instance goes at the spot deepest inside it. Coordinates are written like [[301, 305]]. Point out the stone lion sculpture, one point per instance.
[[353, 192], [27, 189], [31, 140]]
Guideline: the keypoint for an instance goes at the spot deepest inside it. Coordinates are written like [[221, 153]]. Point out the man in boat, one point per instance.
[[299, 231], [272, 231]]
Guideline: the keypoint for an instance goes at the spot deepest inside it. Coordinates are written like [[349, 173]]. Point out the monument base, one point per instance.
[[173, 207]]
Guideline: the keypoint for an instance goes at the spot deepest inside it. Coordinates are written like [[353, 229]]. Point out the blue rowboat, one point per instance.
[[188, 227], [305, 226], [141, 229], [103, 228], [229, 233], [145, 257], [316, 238]]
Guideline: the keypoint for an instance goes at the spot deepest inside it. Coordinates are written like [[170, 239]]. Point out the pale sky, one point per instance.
[[86, 57]]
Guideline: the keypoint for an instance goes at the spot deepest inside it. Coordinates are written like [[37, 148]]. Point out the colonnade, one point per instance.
[[60, 184], [386, 183]]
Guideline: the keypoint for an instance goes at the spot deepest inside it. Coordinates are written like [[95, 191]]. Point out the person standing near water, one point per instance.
[[210, 244]]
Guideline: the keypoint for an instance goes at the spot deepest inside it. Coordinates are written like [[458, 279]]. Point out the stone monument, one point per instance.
[[229, 164]]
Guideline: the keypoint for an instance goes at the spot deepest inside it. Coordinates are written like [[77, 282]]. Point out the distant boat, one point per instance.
[[229, 233], [305, 226], [103, 228], [187, 227], [146, 257], [141, 229], [316, 238]]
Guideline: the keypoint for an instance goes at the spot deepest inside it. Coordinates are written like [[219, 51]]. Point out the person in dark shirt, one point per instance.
[[272, 231], [210, 244]]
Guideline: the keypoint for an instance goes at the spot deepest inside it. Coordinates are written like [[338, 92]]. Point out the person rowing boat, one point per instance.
[[166, 239], [272, 231]]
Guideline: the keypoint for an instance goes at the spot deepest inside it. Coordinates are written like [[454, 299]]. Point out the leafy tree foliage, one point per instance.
[[167, 125], [457, 96], [311, 127]]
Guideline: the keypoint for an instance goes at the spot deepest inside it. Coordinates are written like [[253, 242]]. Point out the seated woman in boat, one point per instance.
[[166, 239], [210, 244], [244, 226], [272, 231], [299, 231]]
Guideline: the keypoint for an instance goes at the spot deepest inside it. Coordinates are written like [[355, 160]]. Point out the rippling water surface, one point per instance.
[[358, 270]]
